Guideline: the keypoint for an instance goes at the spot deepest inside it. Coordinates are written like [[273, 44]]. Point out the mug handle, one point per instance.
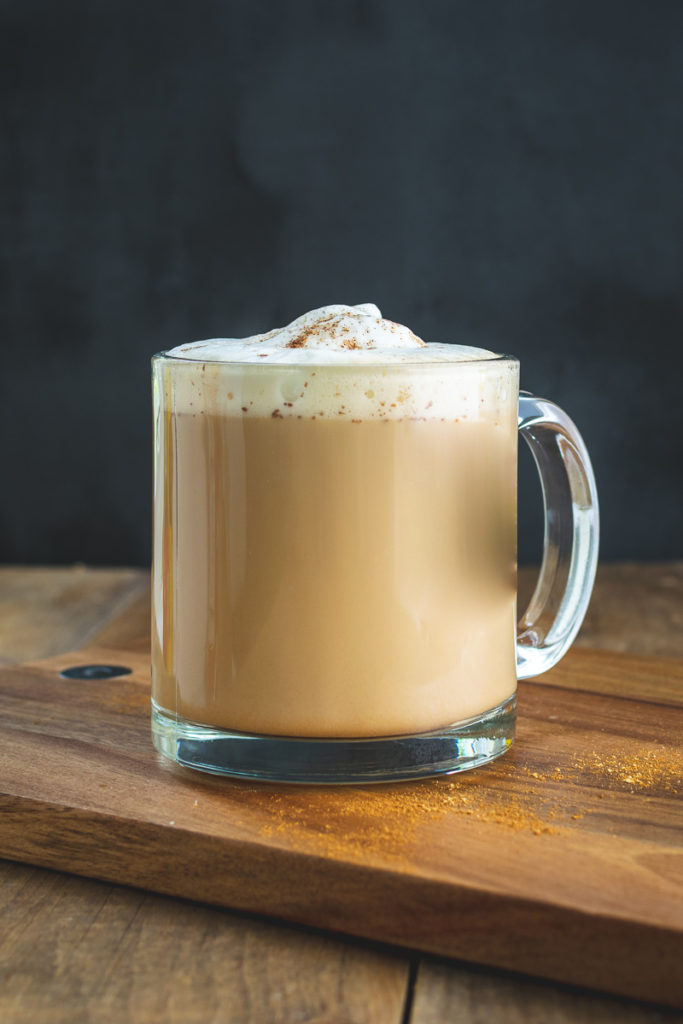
[[571, 533]]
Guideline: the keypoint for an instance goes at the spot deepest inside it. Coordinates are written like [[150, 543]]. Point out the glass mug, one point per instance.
[[334, 588]]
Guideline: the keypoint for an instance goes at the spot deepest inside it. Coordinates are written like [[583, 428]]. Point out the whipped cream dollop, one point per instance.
[[342, 363], [331, 334]]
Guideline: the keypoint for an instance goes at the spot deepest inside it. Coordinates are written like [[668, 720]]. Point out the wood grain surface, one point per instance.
[[455, 994], [576, 833], [91, 952], [76, 950], [635, 607], [46, 611]]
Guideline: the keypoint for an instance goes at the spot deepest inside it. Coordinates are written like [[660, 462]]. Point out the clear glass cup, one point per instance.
[[334, 588]]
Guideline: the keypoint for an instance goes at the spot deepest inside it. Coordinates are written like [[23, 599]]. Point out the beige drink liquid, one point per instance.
[[335, 545]]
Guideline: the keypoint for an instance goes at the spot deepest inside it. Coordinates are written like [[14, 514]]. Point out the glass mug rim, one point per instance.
[[417, 365]]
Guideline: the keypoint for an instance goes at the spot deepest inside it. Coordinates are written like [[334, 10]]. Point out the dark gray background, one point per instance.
[[494, 173]]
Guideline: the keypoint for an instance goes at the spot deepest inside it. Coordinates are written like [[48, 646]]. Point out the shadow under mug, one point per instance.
[[334, 578]]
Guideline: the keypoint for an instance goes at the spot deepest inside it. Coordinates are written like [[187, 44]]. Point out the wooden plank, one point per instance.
[[451, 994], [45, 611], [131, 625], [636, 607], [574, 839], [74, 951], [640, 677]]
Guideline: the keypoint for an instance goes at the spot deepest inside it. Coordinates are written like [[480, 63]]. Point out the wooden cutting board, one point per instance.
[[563, 859]]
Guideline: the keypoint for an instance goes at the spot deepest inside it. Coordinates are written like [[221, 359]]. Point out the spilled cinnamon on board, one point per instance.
[[516, 797], [649, 770], [391, 819]]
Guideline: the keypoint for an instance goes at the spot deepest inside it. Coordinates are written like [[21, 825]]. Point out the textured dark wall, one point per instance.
[[494, 173]]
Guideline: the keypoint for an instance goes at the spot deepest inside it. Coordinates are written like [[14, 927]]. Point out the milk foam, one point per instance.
[[337, 361]]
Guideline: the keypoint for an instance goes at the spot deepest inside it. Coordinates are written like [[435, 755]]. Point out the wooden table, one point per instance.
[[76, 950]]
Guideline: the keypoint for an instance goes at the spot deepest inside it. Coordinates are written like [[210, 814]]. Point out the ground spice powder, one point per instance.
[[515, 796], [652, 770], [392, 819]]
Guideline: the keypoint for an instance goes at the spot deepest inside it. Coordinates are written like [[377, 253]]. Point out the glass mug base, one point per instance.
[[454, 748]]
